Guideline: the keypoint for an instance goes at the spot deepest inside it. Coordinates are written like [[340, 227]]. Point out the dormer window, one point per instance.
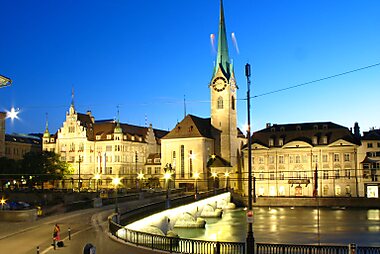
[[133, 138], [273, 129], [324, 139], [281, 141], [315, 140], [97, 137], [52, 140], [271, 142], [325, 126], [282, 129], [109, 136], [298, 128], [315, 127]]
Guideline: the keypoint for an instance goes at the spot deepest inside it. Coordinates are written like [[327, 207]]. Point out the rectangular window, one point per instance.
[[336, 157], [261, 175], [298, 159], [325, 174], [281, 159], [149, 170], [369, 145], [261, 160], [281, 175], [378, 144], [271, 175], [346, 157], [337, 176], [315, 158], [271, 159], [291, 159], [190, 163], [109, 148], [182, 161], [173, 160], [347, 173], [325, 158], [304, 159]]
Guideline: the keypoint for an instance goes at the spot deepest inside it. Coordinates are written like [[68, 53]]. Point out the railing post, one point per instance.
[[38, 249], [217, 248], [152, 243], [69, 233], [352, 248], [171, 244]]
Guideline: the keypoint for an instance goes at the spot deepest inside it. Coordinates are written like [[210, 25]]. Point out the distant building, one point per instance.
[[287, 158], [106, 148], [369, 158], [14, 146]]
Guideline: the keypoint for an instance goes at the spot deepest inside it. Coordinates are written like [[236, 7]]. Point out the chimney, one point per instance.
[[268, 125]]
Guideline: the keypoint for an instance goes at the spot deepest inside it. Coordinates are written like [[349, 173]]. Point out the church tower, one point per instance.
[[223, 97]]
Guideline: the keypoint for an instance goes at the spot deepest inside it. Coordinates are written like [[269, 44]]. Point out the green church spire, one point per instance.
[[222, 60]]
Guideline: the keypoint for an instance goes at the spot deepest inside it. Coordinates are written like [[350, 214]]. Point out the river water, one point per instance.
[[294, 226]]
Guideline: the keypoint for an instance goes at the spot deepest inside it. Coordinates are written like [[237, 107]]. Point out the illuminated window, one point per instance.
[[281, 191], [271, 159], [338, 191], [281, 175], [271, 175], [281, 159], [281, 141], [271, 142], [272, 191], [325, 174], [325, 158], [325, 190], [261, 191]]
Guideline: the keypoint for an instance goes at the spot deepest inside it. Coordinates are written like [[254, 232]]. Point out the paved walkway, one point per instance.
[[95, 231]]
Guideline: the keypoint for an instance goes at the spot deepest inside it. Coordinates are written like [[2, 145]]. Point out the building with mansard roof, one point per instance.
[[105, 149], [305, 159], [208, 148]]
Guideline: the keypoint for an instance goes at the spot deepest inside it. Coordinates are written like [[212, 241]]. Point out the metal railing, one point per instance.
[[266, 248], [174, 244]]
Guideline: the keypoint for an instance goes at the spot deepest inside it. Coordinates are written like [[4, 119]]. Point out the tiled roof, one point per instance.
[[217, 162], [191, 126], [21, 138], [303, 132], [371, 135]]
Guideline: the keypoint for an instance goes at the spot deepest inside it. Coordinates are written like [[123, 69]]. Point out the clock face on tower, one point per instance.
[[219, 84]]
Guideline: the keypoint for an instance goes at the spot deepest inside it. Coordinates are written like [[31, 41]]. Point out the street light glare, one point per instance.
[[167, 175], [140, 176], [13, 113], [2, 201], [116, 181], [214, 174], [196, 175]]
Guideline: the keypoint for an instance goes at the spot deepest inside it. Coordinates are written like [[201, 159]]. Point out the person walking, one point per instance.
[[56, 234]]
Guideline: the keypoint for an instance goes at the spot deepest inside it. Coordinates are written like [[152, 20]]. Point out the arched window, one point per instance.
[[233, 102], [220, 102]]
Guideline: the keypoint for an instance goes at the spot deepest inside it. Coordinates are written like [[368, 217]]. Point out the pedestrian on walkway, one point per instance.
[[56, 233]]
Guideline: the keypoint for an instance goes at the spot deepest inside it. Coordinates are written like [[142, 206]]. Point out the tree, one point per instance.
[[9, 170], [43, 167]]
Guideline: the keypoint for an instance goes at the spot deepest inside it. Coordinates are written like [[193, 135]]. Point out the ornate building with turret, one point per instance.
[[103, 149]]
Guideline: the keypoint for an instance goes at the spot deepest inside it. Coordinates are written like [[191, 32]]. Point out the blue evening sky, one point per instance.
[[146, 55]]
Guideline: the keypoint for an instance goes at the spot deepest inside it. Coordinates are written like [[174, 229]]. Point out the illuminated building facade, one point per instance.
[[369, 158], [286, 159], [105, 148], [209, 147]]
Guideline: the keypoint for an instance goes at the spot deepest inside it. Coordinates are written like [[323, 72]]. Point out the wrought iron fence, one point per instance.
[[174, 244], [266, 248]]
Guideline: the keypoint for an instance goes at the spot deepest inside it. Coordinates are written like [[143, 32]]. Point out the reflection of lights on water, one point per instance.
[[374, 228], [373, 214]]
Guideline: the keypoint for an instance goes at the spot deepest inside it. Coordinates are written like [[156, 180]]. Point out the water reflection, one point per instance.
[[297, 225]]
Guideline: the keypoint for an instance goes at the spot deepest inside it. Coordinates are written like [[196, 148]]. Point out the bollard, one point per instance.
[[352, 248], [69, 233], [38, 249]]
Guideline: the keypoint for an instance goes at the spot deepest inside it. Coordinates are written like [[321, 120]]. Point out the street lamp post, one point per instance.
[[167, 177], [250, 238], [116, 182], [226, 175], [196, 176], [97, 178], [140, 176], [214, 175], [79, 181]]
